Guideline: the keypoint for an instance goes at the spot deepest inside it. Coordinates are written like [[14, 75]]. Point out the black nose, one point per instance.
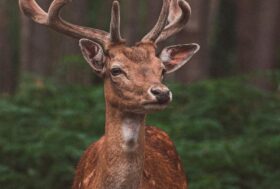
[[162, 95]]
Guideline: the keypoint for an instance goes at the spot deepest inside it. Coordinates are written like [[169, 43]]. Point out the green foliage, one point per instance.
[[226, 131]]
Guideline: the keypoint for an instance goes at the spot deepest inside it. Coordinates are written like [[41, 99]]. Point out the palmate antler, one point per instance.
[[175, 13]]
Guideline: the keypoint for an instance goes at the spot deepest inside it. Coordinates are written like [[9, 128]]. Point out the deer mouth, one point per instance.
[[156, 105]]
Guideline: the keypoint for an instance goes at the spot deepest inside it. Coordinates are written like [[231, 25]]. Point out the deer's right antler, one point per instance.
[[53, 20]]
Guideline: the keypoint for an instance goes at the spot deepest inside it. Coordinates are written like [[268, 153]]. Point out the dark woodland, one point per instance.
[[224, 119]]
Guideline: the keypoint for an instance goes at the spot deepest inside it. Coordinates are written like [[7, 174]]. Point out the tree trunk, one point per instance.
[[247, 19], [131, 20], [153, 11], [277, 41], [70, 66], [196, 32], [36, 57], [257, 38], [223, 36], [265, 49], [46, 53], [257, 31], [8, 66]]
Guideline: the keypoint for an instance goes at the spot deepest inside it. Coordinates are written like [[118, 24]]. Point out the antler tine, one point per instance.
[[158, 28], [31, 9], [115, 33], [53, 20], [179, 15]]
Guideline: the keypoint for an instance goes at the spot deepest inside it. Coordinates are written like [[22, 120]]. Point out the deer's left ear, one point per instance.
[[174, 57]]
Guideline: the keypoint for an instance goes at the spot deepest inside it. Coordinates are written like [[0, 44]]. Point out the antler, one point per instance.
[[115, 33], [156, 31], [53, 20], [173, 17], [170, 21]]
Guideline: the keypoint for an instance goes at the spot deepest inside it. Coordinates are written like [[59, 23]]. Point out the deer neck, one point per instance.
[[124, 149]]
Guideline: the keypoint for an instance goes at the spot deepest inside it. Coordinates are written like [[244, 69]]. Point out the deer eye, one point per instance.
[[116, 71]]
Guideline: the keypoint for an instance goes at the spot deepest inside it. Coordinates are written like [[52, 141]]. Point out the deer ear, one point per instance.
[[174, 57], [94, 55]]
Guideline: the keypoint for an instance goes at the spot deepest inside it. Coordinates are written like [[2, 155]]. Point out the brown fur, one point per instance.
[[129, 155], [137, 55], [115, 163], [162, 165]]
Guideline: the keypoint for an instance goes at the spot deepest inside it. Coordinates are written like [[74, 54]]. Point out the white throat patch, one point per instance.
[[130, 134]]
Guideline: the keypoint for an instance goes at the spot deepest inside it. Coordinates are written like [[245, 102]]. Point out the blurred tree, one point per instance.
[[197, 31], [153, 9], [222, 44], [36, 46], [46, 53], [266, 51], [99, 14], [278, 43], [246, 35], [71, 68], [8, 46], [257, 23], [213, 25], [130, 12]]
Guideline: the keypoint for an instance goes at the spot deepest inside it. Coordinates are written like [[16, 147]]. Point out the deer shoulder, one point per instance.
[[162, 165]]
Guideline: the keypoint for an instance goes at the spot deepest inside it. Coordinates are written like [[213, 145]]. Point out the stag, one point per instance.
[[130, 155]]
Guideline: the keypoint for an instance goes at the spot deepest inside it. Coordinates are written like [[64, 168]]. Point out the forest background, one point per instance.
[[225, 118]]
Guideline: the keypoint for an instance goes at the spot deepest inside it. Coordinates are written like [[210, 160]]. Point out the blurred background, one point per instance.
[[225, 118]]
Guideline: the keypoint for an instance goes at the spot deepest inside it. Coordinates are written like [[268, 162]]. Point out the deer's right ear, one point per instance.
[[94, 55]]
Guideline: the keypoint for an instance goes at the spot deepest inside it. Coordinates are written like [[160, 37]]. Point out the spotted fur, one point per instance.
[[162, 166]]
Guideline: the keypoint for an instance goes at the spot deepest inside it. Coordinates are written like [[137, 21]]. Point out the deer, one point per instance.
[[130, 155]]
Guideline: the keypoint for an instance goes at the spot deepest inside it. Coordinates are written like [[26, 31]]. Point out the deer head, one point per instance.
[[132, 75]]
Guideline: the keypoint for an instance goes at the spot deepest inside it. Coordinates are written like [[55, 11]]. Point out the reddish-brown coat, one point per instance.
[[130, 155], [162, 165]]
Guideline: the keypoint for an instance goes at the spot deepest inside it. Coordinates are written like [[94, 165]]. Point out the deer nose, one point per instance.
[[163, 95]]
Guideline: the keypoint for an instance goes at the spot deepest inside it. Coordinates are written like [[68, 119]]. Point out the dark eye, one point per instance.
[[116, 71]]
